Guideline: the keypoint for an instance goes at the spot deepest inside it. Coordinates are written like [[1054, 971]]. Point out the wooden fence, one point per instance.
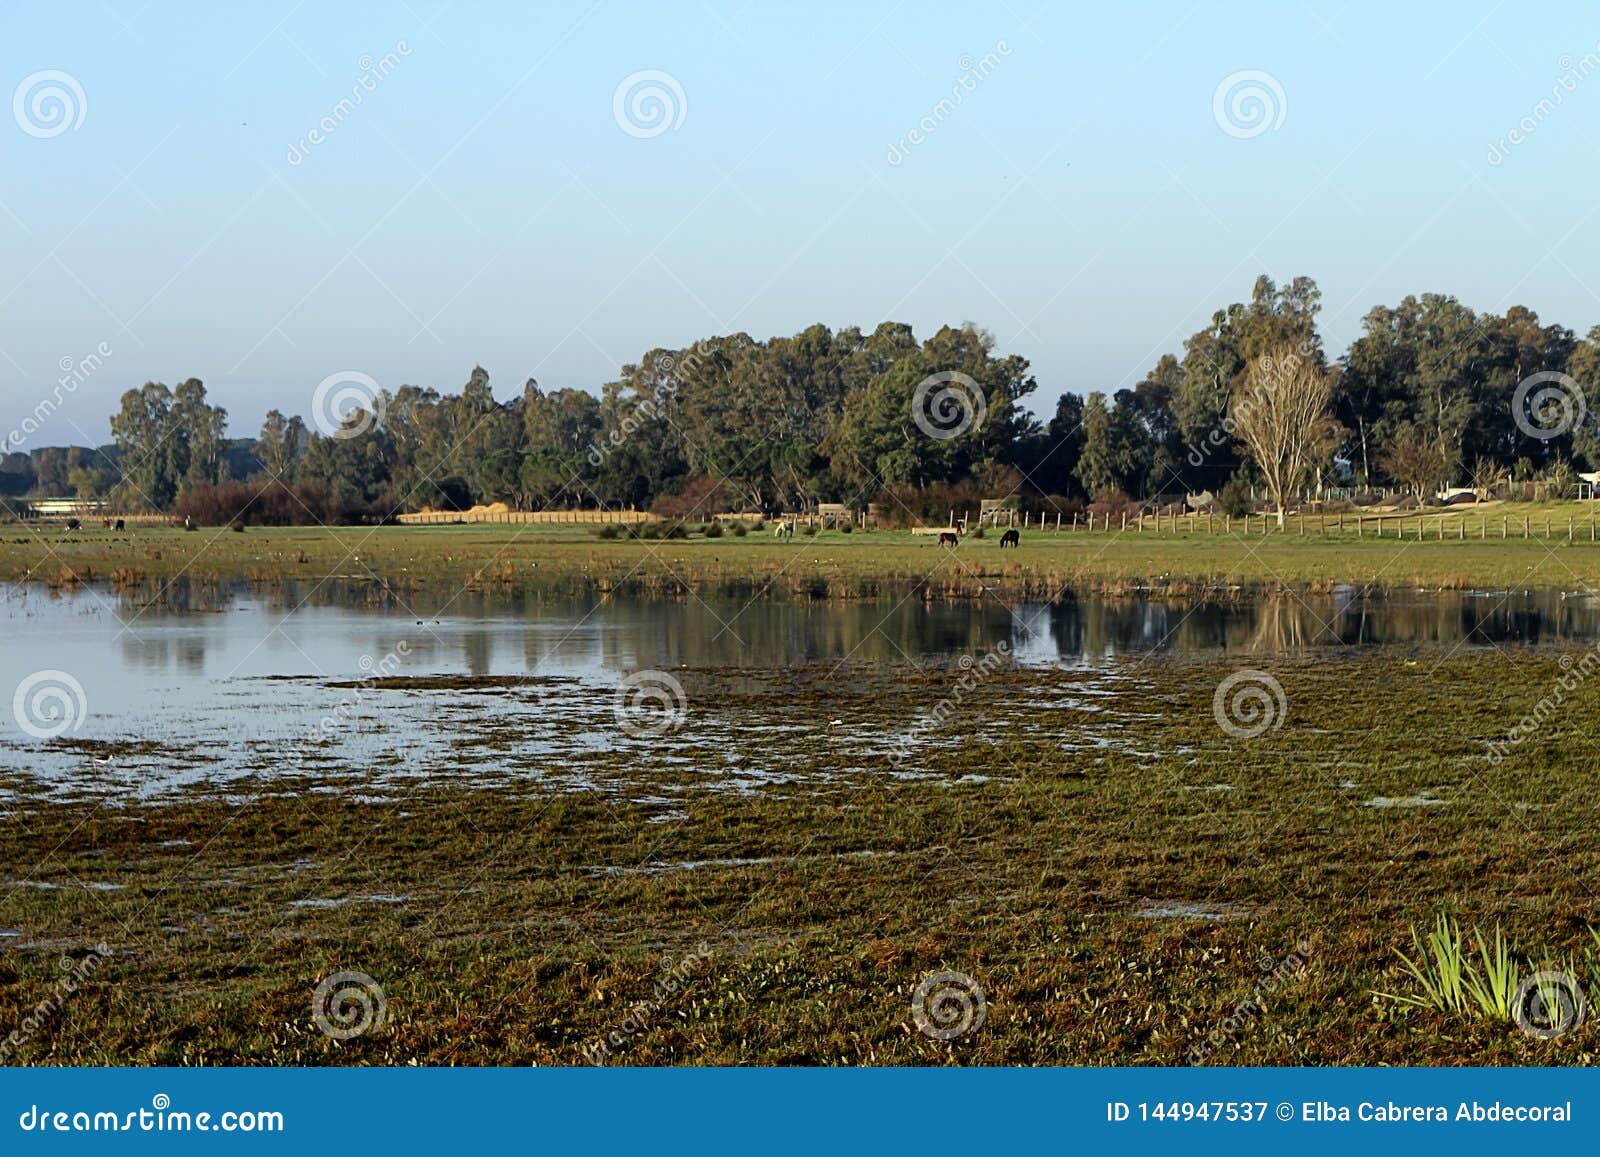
[[1356, 525], [576, 517]]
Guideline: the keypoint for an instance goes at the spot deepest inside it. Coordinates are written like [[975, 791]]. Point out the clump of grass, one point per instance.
[[713, 530], [739, 531], [1439, 969], [1449, 980], [808, 531], [607, 530]]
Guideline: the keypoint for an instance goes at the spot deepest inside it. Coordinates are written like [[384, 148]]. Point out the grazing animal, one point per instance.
[[783, 530], [948, 538], [105, 524], [73, 524], [1010, 538], [121, 525]]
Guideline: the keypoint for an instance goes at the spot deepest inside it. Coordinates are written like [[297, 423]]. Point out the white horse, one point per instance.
[[783, 530]]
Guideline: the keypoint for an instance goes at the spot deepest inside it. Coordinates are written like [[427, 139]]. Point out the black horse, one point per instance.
[[948, 538], [1010, 538]]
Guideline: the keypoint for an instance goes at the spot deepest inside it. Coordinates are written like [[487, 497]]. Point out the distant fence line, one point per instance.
[[577, 517], [1415, 526]]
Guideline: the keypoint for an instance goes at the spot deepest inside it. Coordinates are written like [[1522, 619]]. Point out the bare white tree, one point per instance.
[[1282, 416]]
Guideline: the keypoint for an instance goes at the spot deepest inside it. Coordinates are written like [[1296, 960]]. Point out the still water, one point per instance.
[[232, 686]]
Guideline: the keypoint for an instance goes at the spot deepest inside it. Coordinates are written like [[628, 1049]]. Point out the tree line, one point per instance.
[[1431, 393]]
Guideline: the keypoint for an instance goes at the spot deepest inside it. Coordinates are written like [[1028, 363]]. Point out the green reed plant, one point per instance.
[[1439, 968], [1493, 984]]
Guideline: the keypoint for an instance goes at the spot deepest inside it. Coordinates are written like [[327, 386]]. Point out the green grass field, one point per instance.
[[1458, 548]]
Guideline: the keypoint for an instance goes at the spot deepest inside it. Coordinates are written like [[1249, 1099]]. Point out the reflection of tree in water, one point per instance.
[[1284, 622], [634, 633], [695, 634]]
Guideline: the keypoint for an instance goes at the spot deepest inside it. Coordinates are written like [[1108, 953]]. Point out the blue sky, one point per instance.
[[483, 204]]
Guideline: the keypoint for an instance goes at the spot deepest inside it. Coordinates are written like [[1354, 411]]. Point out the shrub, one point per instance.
[[846, 528], [713, 530], [978, 533], [1234, 498], [607, 531], [739, 531], [808, 530]]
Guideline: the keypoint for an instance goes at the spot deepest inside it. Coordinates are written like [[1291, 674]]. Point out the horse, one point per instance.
[[783, 530], [1010, 538], [948, 538], [120, 525], [73, 524]]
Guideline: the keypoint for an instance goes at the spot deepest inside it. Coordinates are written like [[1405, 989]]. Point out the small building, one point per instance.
[[833, 514]]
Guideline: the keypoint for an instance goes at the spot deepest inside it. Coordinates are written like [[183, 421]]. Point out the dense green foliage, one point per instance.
[[1424, 397]]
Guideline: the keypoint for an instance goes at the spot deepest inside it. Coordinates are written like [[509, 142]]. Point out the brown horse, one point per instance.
[[1010, 538], [948, 538]]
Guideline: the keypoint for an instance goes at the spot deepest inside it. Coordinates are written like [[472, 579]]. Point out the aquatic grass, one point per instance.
[[538, 913], [1494, 988], [1439, 968]]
